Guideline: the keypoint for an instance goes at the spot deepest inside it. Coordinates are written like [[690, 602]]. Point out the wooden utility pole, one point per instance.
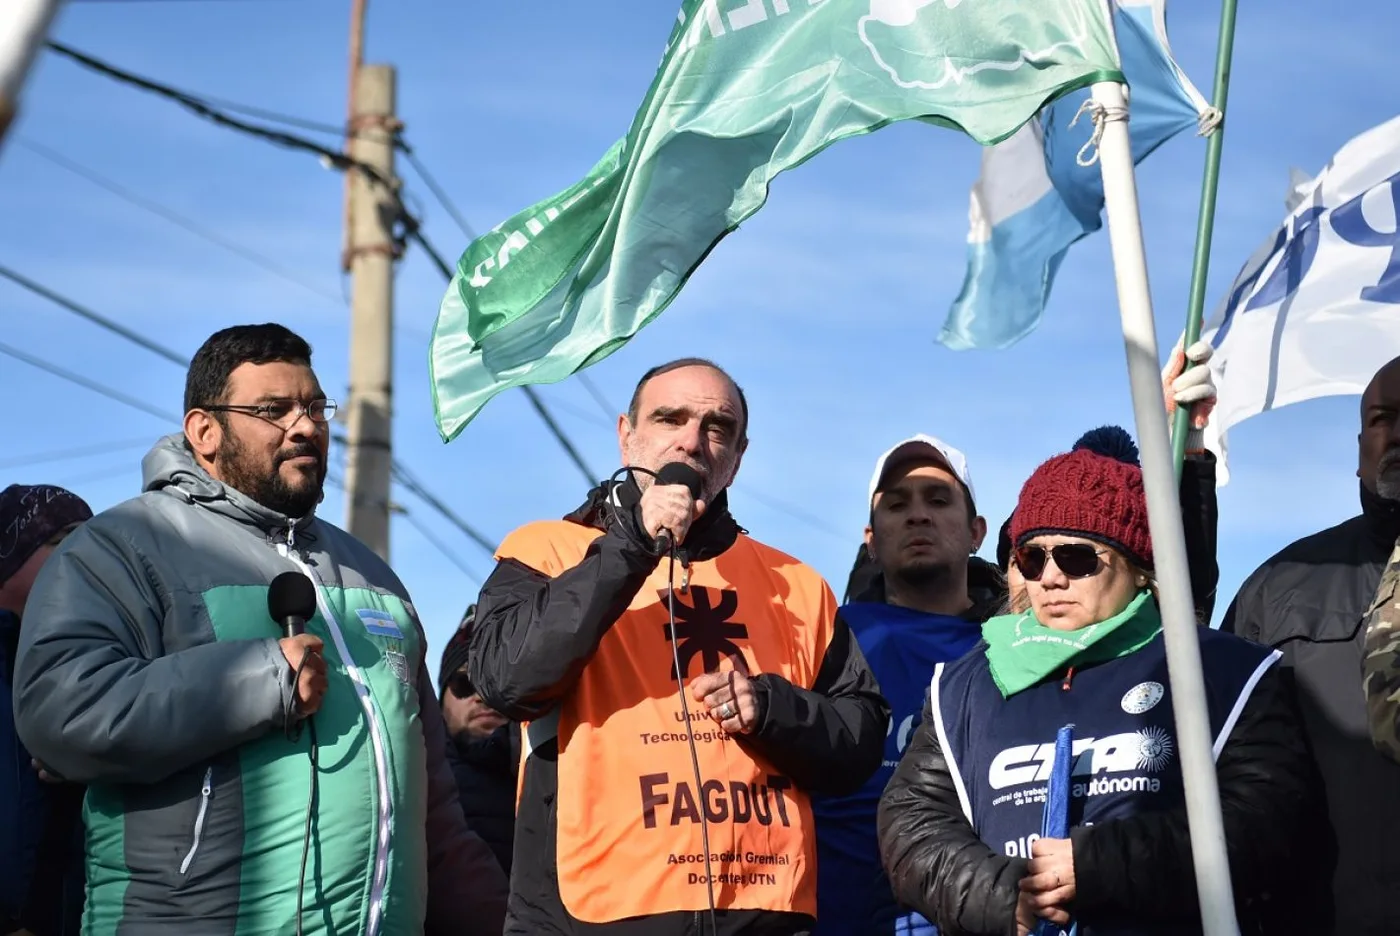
[[357, 58], [372, 250]]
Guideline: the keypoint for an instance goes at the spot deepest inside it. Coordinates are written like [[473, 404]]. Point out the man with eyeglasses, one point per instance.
[[150, 670], [41, 841]]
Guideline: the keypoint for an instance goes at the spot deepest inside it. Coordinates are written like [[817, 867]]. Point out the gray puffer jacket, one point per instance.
[[150, 670]]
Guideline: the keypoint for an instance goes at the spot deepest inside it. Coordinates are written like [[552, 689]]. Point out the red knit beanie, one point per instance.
[[1089, 495]]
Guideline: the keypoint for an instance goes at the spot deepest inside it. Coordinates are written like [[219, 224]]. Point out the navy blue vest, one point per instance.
[[902, 648], [1126, 758]]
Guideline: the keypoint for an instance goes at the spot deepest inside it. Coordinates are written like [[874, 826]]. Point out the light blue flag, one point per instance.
[[1034, 200]]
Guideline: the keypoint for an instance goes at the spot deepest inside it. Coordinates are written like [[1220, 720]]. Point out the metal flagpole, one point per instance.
[[23, 28], [1205, 224], [1193, 734]]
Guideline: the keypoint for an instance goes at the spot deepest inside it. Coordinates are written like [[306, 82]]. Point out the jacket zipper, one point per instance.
[[383, 826], [205, 792]]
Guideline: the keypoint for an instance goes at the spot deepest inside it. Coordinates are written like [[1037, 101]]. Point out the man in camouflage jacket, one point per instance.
[[1380, 667]]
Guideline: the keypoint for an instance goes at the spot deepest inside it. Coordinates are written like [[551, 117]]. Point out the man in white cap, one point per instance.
[[925, 606]]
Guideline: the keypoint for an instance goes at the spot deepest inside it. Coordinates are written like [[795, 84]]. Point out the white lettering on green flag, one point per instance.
[[746, 90]]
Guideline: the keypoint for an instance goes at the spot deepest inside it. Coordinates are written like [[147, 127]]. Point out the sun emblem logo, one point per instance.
[[1154, 749], [1142, 697]]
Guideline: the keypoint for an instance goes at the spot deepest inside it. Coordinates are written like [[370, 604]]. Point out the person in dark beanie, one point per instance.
[[485, 749], [41, 871], [1044, 783]]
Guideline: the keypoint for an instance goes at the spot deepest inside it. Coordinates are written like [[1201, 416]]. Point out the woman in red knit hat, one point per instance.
[[1042, 792]]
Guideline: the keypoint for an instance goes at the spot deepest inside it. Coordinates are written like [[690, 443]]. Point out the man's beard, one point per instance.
[[1388, 475], [708, 476], [269, 488], [922, 573]]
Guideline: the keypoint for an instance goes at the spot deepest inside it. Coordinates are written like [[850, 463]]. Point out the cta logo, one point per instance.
[[1149, 750]]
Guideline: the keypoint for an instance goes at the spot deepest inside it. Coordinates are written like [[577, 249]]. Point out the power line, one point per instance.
[[101, 474], [438, 192], [97, 319], [175, 357], [192, 227], [608, 412], [530, 393], [404, 477], [62, 373], [428, 535], [412, 229], [796, 513], [564, 441], [587, 415], [82, 451], [209, 111], [94, 386]]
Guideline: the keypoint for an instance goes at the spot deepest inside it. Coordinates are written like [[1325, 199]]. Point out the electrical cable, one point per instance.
[[431, 537], [174, 217], [673, 552], [291, 729], [438, 191], [176, 357], [690, 735], [412, 227], [608, 412], [171, 355], [82, 451], [94, 386]]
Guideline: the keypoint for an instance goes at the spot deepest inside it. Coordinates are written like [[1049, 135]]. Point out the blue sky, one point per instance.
[[825, 305]]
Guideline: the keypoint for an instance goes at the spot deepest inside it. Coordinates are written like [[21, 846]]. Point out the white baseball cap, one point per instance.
[[922, 448]]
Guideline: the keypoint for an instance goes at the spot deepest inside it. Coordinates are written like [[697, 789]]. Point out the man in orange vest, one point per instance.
[[680, 705]]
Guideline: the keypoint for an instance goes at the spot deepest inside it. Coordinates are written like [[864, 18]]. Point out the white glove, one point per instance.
[[1194, 387]]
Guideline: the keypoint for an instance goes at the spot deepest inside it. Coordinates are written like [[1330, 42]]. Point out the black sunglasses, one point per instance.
[[460, 685], [1075, 560]]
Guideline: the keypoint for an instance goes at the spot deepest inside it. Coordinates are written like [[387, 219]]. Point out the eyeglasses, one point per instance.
[[1075, 560], [460, 685], [281, 413]]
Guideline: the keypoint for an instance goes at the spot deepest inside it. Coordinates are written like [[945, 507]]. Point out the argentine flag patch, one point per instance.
[[380, 623]]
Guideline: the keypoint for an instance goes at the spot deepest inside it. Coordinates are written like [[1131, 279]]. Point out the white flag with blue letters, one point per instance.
[[1034, 200], [1316, 311]]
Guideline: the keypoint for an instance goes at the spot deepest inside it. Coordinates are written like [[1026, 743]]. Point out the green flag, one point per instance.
[[746, 89]]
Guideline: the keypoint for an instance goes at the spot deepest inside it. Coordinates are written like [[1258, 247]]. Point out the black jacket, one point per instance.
[[1309, 602], [1136, 870], [1200, 518], [41, 827], [534, 637], [485, 770]]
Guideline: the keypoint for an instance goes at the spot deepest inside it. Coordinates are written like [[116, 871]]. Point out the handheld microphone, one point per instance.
[[291, 601], [677, 473]]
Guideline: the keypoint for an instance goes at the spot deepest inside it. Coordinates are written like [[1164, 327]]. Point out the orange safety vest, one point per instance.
[[628, 806]]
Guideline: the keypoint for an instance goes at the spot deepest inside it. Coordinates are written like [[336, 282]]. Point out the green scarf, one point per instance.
[[1022, 652]]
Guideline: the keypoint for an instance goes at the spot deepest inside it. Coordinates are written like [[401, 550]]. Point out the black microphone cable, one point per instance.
[[292, 729], [690, 738], [685, 710]]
